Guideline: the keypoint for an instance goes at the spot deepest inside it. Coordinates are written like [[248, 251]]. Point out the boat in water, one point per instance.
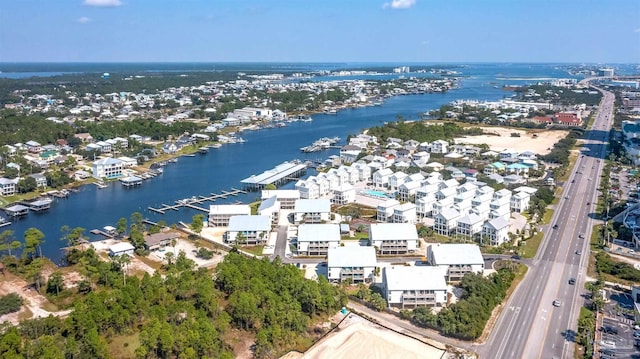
[[320, 144]]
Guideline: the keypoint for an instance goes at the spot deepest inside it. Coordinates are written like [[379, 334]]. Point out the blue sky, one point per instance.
[[600, 31]]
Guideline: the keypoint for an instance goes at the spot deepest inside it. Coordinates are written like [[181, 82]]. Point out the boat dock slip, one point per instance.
[[42, 204], [131, 181], [17, 210], [193, 201], [280, 174]]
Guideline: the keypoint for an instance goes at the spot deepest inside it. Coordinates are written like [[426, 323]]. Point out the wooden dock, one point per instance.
[[194, 201]]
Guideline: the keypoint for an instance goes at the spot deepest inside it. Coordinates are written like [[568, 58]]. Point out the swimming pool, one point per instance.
[[374, 193]]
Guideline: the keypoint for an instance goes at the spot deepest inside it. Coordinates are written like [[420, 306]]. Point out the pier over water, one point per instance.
[[280, 174]]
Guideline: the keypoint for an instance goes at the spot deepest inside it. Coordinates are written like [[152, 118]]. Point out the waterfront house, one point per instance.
[[456, 259], [354, 263], [312, 211], [404, 213], [286, 197], [384, 210], [108, 168], [446, 221], [496, 231], [248, 229], [349, 153], [41, 180], [393, 238], [170, 148], [381, 178], [157, 241], [414, 286], [8, 186], [270, 207], [128, 162], [121, 248], [316, 239], [220, 214]]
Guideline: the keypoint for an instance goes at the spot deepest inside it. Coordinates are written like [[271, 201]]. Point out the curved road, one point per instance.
[[531, 326]]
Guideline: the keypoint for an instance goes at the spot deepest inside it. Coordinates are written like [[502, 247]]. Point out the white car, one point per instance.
[[556, 303], [608, 343]]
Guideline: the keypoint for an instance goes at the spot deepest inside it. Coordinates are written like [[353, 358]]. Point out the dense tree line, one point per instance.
[[10, 303], [16, 127], [560, 152], [181, 313], [421, 132], [622, 270], [561, 95], [146, 127], [467, 317], [273, 300]]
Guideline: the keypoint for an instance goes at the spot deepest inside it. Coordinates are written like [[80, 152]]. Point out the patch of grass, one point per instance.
[[255, 250], [548, 214], [124, 346], [531, 245], [25, 314], [50, 307], [356, 236], [151, 263]]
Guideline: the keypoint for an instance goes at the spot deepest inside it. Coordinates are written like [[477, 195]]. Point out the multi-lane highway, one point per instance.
[[532, 325]]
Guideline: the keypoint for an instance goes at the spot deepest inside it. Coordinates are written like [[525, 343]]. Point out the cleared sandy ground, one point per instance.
[[541, 144], [358, 338]]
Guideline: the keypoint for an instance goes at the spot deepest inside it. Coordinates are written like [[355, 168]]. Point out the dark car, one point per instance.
[[555, 226], [572, 281], [609, 330]]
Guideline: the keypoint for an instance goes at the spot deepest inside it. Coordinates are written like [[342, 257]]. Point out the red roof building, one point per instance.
[[542, 120], [568, 119]]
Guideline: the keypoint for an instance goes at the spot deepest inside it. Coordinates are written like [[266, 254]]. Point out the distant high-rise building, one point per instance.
[[606, 72], [402, 70]]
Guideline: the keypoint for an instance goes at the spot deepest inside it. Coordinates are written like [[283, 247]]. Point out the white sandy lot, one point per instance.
[[541, 144], [359, 338]]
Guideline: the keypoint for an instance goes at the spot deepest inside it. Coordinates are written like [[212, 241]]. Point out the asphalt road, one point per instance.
[[531, 326]]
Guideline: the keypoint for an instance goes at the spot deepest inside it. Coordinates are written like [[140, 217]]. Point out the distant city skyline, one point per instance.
[[412, 31]]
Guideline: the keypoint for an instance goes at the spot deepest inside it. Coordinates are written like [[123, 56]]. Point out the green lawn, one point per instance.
[[255, 250], [531, 245], [357, 236]]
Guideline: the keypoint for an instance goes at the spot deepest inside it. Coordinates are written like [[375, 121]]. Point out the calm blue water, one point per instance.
[[223, 168]]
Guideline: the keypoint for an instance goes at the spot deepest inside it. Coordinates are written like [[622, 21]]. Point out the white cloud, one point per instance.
[[424, 42], [103, 3], [637, 30], [399, 4], [83, 20]]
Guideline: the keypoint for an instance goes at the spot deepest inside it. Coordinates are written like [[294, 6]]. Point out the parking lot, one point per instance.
[[617, 337]]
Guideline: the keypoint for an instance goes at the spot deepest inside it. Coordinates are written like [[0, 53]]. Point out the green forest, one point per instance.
[[422, 132], [183, 313], [467, 317]]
